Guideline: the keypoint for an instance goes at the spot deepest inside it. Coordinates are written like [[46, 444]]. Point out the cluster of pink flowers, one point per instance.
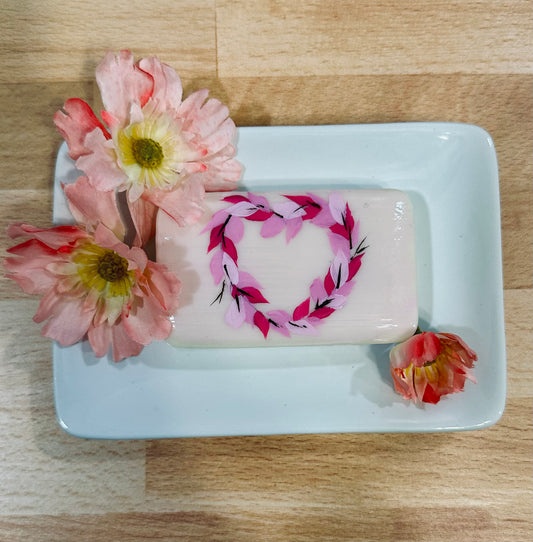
[[164, 153]]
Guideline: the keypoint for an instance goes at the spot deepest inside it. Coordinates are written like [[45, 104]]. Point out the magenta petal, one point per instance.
[[253, 295], [235, 198], [262, 323], [302, 310], [354, 266], [272, 226]]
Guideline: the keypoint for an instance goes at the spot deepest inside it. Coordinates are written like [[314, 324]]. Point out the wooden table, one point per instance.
[[274, 63]]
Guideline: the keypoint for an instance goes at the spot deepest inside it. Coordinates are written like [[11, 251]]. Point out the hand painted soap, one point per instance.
[[294, 268]]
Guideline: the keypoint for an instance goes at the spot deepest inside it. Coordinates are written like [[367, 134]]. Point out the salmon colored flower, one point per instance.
[[92, 284], [429, 365], [164, 152]]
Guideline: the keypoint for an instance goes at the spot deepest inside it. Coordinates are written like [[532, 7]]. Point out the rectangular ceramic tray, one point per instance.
[[450, 173]]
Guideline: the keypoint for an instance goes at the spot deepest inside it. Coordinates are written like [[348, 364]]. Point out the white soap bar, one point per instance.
[[281, 269]]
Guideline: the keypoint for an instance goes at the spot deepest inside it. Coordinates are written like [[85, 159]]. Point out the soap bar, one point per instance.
[[316, 267]]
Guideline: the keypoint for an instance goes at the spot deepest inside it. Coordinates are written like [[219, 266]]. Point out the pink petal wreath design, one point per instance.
[[326, 295]]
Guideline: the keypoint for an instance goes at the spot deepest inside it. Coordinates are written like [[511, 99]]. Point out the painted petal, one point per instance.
[[247, 280], [339, 269], [293, 227], [75, 123], [259, 201], [288, 209], [279, 320], [272, 226], [337, 207], [121, 82], [235, 315], [167, 89], [229, 267], [317, 291], [217, 219], [242, 208], [215, 265], [100, 164], [338, 243], [262, 323], [322, 313], [235, 229], [302, 310], [354, 266], [228, 246], [302, 327], [253, 295], [90, 207]]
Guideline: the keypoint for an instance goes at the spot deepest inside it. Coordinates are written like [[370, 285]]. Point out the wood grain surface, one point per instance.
[[273, 62]]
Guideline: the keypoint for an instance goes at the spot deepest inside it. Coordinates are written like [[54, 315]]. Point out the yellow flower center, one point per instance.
[[151, 153], [147, 152], [104, 270]]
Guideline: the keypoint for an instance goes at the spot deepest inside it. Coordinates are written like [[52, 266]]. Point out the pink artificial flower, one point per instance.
[[92, 283], [429, 365], [163, 151]]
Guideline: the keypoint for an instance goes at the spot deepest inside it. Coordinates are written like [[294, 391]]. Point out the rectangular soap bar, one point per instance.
[[294, 268]]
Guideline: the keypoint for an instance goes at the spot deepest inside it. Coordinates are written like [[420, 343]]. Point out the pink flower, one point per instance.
[[429, 365], [164, 152], [91, 283]]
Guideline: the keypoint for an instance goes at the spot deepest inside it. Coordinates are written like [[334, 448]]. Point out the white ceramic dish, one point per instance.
[[450, 173]]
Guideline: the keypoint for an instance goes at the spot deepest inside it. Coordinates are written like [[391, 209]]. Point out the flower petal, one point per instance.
[[167, 89], [121, 82], [75, 123]]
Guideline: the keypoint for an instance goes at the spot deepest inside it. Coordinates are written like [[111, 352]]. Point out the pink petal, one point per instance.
[[272, 226], [123, 345], [146, 321], [337, 207], [183, 204], [293, 227], [167, 89], [90, 207], [121, 82], [223, 172], [317, 291], [75, 123], [215, 265], [163, 284], [247, 280], [302, 327], [235, 229], [229, 267], [57, 238], [29, 268], [68, 322], [143, 215], [217, 219], [235, 315], [99, 164], [338, 243]]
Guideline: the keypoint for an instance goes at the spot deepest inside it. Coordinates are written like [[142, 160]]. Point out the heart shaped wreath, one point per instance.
[[326, 295]]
